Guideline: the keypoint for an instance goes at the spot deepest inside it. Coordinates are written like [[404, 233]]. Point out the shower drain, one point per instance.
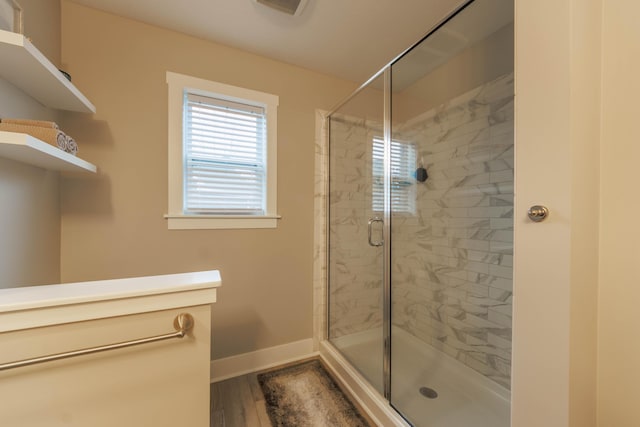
[[429, 393]]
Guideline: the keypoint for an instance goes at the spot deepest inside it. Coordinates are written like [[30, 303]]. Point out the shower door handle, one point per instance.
[[369, 225]]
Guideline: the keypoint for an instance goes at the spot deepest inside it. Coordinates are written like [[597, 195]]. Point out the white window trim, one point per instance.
[[176, 218]]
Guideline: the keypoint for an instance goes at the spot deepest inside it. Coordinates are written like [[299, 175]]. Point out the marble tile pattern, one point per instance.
[[452, 259], [355, 268]]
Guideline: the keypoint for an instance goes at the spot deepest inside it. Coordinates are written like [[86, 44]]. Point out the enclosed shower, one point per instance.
[[420, 223]]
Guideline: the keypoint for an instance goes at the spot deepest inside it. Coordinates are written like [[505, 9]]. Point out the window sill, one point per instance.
[[214, 222]]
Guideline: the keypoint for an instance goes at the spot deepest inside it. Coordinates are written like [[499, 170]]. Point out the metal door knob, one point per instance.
[[538, 213]]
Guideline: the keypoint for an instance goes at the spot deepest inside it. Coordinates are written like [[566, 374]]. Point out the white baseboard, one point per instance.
[[233, 366]]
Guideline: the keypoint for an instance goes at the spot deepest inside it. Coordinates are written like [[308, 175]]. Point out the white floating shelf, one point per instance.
[[24, 66], [27, 149]]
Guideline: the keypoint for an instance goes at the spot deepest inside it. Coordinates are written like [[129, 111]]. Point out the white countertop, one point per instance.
[[35, 306]]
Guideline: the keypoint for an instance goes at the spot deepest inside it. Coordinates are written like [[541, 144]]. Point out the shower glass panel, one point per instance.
[[355, 257], [452, 221]]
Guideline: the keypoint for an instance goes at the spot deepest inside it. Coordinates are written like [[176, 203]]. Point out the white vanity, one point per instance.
[[108, 353]]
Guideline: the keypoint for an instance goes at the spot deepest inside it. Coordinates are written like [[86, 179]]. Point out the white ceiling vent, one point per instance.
[[290, 7]]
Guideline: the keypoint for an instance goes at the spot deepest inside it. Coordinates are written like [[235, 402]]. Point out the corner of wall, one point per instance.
[[585, 203]]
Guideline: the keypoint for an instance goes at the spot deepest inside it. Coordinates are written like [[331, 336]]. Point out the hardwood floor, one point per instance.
[[238, 402]]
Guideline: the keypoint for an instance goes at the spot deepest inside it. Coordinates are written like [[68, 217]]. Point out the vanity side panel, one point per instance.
[[158, 384]]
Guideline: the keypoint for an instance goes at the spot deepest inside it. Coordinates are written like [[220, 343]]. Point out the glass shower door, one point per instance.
[[355, 260], [452, 221]]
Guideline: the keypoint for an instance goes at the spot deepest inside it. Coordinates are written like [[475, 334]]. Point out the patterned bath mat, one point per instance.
[[305, 395]]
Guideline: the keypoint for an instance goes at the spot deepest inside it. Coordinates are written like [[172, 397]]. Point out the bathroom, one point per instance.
[[574, 319]]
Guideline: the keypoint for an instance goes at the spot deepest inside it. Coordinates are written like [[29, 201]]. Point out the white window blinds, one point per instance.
[[224, 157], [403, 163]]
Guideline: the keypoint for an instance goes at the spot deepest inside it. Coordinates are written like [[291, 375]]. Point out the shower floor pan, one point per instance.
[[464, 396]]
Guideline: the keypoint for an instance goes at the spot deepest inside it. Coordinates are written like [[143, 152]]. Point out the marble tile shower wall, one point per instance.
[[356, 269], [452, 261]]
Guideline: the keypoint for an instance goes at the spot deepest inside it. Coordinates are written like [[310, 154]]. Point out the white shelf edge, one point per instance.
[[27, 149], [23, 65]]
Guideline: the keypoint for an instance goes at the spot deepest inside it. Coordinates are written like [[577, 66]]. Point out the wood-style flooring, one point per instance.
[[238, 402]]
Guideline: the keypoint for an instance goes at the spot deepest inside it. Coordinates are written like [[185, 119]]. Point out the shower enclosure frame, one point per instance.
[[385, 72]]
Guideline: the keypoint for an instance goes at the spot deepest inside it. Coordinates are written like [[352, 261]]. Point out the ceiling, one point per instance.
[[351, 39]]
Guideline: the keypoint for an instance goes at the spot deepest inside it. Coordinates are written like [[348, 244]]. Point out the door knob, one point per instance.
[[538, 213]]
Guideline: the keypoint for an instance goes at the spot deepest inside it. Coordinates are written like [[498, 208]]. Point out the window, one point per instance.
[[222, 155], [224, 145], [403, 161]]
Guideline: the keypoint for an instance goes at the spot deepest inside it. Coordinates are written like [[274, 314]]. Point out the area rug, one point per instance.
[[305, 395]]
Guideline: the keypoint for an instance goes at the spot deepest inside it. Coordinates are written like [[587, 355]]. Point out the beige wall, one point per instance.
[[584, 105], [29, 225], [555, 268], [41, 22], [619, 290], [30, 218], [113, 225]]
